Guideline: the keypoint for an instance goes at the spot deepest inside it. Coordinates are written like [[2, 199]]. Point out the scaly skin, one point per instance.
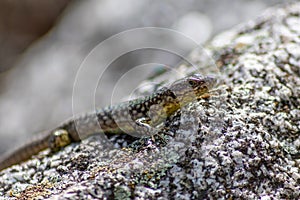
[[139, 117]]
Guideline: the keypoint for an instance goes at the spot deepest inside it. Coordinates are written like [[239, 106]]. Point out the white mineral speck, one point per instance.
[[293, 49]]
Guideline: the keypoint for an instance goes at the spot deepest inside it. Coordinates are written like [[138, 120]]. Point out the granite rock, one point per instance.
[[240, 142]]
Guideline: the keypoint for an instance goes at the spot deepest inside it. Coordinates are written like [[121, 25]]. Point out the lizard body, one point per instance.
[[140, 116]]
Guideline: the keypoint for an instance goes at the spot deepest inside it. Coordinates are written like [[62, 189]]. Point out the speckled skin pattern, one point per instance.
[[128, 117], [236, 144]]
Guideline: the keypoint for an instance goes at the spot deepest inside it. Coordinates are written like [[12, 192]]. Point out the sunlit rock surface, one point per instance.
[[240, 142]]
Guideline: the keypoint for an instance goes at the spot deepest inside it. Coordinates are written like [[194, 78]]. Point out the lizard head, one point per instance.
[[200, 84], [192, 87]]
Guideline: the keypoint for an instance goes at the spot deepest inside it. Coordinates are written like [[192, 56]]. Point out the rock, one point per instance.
[[241, 142]]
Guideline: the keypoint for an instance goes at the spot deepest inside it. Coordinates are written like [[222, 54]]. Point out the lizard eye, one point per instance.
[[192, 83], [195, 82]]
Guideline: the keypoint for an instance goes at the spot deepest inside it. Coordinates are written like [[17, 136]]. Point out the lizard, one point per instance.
[[140, 116]]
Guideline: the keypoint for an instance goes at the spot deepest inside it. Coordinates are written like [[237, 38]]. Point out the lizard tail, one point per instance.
[[25, 152]]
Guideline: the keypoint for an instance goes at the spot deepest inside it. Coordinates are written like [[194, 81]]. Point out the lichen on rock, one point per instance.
[[241, 142]]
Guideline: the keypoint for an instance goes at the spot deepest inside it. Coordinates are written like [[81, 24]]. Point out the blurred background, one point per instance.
[[43, 44]]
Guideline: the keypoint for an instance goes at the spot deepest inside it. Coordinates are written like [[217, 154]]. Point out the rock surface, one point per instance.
[[241, 142]]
